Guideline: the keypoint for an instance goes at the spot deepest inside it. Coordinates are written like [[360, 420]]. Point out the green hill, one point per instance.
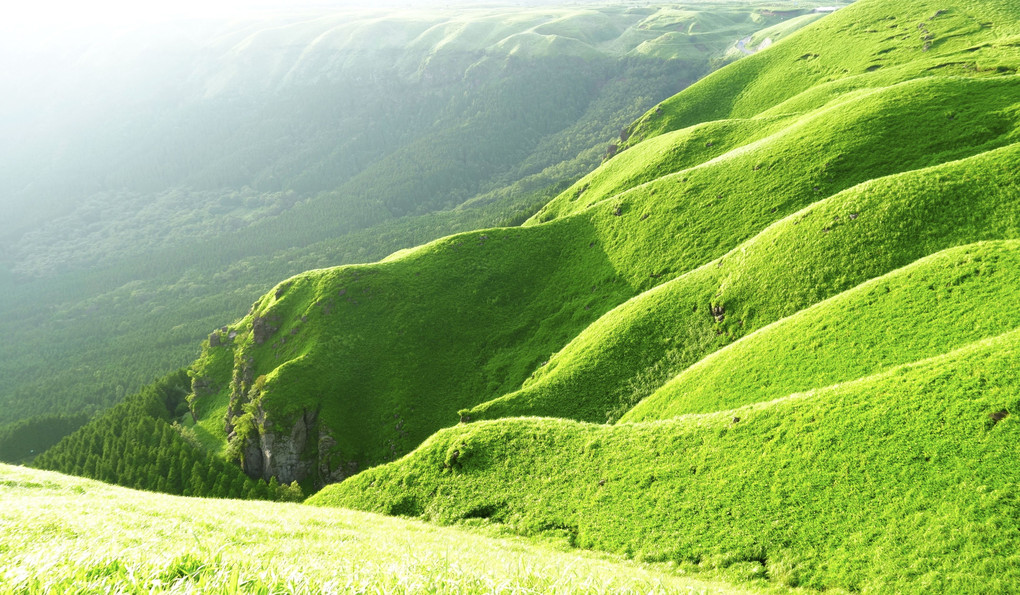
[[893, 482], [821, 365], [771, 338], [142, 211], [864, 46], [331, 368], [829, 247], [877, 325]]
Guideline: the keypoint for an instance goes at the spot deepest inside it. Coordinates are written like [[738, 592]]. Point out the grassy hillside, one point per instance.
[[930, 307], [772, 340], [492, 308], [882, 483], [866, 45], [818, 369], [829, 247], [143, 210], [132, 541]]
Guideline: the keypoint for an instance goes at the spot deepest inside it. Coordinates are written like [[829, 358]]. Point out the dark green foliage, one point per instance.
[[140, 444], [22, 441]]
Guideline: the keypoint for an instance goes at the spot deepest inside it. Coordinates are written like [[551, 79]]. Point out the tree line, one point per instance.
[[140, 444]]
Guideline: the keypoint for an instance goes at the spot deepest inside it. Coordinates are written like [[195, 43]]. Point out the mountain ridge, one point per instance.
[[820, 403], [827, 150]]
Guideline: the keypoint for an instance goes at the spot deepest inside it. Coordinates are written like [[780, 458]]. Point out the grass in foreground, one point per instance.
[[61, 534]]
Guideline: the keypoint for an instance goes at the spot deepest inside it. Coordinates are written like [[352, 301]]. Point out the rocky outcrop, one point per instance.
[[263, 327], [282, 451], [300, 450], [267, 444]]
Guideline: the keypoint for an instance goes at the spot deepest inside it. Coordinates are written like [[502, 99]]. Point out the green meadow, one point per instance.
[[61, 534]]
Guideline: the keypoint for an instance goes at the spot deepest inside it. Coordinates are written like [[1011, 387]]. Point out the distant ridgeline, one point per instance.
[[772, 337], [253, 151]]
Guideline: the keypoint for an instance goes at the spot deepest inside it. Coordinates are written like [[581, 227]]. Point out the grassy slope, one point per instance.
[[891, 472], [485, 330], [865, 45], [894, 482], [830, 124], [826, 248], [877, 325], [134, 541], [357, 354]]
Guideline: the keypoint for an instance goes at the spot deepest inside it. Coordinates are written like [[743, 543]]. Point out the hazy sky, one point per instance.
[[71, 13], [62, 14]]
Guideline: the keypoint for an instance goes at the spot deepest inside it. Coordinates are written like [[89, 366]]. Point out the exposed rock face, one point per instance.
[[281, 453], [263, 327], [294, 454], [268, 445], [251, 460]]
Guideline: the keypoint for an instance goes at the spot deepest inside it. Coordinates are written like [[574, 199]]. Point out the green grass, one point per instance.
[[864, 45], [70, 535], [491, 319], [898, 482], [767, 164], [829, 247], [930, 307]]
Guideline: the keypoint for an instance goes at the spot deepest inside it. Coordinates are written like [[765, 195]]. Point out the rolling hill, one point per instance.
[[156, 180], [772, 336], [671, 250], [901, 481], [824, 399]]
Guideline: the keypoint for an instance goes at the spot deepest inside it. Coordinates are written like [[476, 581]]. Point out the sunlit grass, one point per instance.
[[60, 534]]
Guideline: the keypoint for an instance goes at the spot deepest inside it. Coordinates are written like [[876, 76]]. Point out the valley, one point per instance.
[[766, 340]]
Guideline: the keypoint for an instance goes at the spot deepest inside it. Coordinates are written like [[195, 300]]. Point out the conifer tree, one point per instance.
[[196, 483]]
